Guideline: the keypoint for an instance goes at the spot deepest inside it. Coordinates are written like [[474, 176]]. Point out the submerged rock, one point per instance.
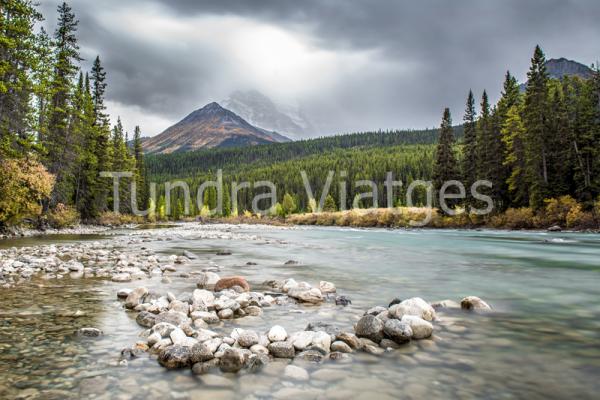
[[474, 303], [89, 332], [445, 304], [342, 301], [232, 360]]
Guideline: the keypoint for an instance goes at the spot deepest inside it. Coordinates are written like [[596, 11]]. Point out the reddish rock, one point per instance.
[[231, 281]]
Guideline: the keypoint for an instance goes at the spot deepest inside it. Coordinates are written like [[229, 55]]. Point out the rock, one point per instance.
[[259, 349], [445, 304], [289, 284], [174, 317], [415, 306], [231, 281], [189, 255], [350, 339], [200, 353], [224, 302], [146, 319], [321, 341], [311, 356], [256, 362], [248, 339], [210, 317], [375, 310], [178, 337], [370, 327], [388, 344], [179, 306], [202, 368], [253, 311], [342, 301], [226, 313], [232, 360], [399, 332], [474, 303], [223, 253], [213, 344], [295, 373], [291, 262], [313, 296], [372, 348], [282, 350], [207, 280], [153, 339], [203, 299], [327, 287], [175, 356], [555, 228], [277, 334], [395, 301], [341, 347], [301, 340], [123, 293], [89, 332], [339, 356], [123, 277], [421, 329], [164, 329]]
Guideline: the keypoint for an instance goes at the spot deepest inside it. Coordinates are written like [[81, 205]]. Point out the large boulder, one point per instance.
[[232, 281], [421, 329], [248, 339], [474, 303], [146, 319], [398, 331], [415, 306], [175, 356], [327, 287], [370, 327], [136, 297], [175, 318], [200, 353]]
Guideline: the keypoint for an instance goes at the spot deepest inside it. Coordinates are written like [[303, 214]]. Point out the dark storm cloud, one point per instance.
[[449, 46]]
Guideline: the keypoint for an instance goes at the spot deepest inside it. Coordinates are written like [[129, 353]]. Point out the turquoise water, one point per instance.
[[541, 341]]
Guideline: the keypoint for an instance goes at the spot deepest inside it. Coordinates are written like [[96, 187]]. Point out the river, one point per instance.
[[541, 341]]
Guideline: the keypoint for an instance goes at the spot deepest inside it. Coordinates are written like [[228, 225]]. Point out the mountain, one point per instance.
[[558, 68], [209, 127], [261, 111]]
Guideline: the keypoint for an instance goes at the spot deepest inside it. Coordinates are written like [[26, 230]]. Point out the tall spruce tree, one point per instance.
[[138, 152], [535, 120], [484, 126], [58, 140], [445, 164], [469, 160]]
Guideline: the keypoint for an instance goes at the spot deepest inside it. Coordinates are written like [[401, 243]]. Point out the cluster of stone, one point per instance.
[[83, 260]]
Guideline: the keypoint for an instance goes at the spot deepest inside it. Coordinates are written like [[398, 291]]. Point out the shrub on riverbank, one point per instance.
[[63, 216]]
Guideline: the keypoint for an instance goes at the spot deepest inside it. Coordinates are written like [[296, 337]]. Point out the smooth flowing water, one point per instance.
[[541, 341]]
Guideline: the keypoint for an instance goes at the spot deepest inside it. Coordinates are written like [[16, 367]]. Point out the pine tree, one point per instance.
[[469, 161], [140, 168], [329, 205], [18, 57], [535, 120], [483, 138], [58, 140], [513, 133], [445, 165]]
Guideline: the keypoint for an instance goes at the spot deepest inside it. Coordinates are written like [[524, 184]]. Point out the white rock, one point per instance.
[[301, 340], [421, 329], [313, 296], [277, 334], [327, 287], [415, 306]]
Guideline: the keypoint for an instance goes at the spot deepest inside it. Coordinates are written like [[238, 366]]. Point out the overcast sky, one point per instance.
[[353, 65]]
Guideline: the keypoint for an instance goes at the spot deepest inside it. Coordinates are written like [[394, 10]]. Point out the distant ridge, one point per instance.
[[558, 68], [209, 127]]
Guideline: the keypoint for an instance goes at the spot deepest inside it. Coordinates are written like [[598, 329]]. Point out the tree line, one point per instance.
[[53, 121], [536, 145]]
